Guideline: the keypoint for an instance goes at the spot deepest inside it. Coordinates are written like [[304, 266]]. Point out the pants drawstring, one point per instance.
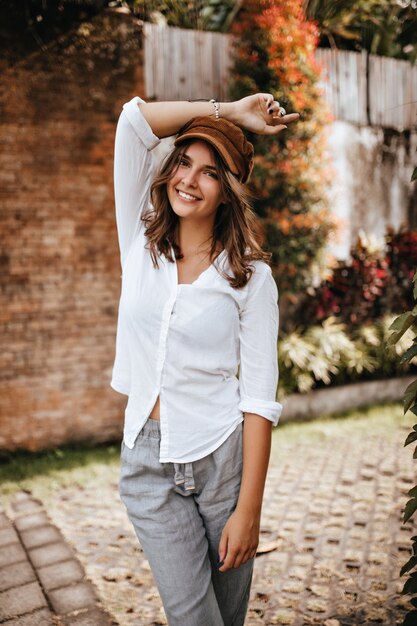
[[184, 478]]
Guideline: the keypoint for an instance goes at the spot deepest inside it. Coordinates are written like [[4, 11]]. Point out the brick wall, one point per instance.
[[59, 257]]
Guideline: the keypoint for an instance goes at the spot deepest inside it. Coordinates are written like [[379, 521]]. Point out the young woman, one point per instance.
[[198, 307]]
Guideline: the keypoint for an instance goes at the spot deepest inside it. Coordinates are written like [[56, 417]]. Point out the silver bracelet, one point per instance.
[[216, 108]]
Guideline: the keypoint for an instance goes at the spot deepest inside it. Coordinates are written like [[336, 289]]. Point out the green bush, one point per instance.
[[403, 326], [327, 354]]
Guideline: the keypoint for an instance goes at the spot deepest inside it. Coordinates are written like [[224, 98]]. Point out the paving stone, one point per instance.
[[72, 598], [286, 601], [91, 617], [303, 559], [52, 553], [4, 521], [8, 536], [26, 505], [21, 600], [293, 586], [24, 522], [299, 573], [21, 496], [60, 574], [35, 537], [12, 553], [284, 617], [318, 605], [377, 558], [38, 618], [16, 574]]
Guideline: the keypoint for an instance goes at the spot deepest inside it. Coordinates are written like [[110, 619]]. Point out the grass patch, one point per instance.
[[77, 465], [377, 419], [22, 466]]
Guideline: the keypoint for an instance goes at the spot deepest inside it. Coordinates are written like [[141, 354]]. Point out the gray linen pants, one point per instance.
[[178, 512]]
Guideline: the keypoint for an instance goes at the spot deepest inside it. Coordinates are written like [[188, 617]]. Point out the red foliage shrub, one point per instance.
[[371, 284], [274, 54]]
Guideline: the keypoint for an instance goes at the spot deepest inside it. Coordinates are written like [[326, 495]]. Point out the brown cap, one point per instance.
[[227, 138]]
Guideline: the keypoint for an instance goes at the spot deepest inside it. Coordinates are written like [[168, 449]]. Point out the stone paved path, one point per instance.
[[332, 540], [41, 581]]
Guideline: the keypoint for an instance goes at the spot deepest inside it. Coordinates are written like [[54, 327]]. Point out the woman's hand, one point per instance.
[[259, 114], [239, 539]]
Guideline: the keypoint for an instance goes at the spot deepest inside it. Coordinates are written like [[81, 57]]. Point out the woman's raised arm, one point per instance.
[[133, 171], [258, 113]]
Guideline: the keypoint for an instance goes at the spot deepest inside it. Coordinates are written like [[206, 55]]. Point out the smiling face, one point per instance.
[[194, 189]]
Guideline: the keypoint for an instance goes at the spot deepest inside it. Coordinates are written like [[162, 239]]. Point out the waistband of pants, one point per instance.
[[151, 428], [183, 472]]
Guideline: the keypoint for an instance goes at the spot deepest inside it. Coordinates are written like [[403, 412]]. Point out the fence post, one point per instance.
[[366, 55]]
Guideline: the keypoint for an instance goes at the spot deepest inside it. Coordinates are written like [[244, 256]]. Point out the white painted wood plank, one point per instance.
[[186, 64], [147, 60]]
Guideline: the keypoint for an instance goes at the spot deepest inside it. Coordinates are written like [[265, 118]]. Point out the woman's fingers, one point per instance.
[[261, 114], [237, 557], [289, 117], [268, 100], [223, 546], [282, 117], [274, 108], [229, 560], [276, 116], [278, 123], [273, 130], [244, 557]]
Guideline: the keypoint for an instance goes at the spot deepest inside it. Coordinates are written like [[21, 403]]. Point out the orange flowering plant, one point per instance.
[[274, 53]]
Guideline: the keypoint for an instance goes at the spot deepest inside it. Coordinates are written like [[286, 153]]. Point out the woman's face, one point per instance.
[[194, 189]]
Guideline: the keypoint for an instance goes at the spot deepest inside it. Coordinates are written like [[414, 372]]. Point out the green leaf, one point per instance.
[[410, 353], [410, 585], [410, 395], [414, 175], [398, 321], [411, 437], [410, 619], [413, 492], [410, 509], [415, 286], [415, 453], [413, 409], [401, 324], [409, 565]]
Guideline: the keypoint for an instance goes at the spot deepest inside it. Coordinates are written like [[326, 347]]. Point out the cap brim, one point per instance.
[[216, 144]]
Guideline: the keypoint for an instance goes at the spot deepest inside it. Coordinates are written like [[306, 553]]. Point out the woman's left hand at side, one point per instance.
[[239, 539]]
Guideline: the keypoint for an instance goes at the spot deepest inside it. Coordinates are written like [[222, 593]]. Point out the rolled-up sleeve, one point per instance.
[[258, 371], [133, 171]]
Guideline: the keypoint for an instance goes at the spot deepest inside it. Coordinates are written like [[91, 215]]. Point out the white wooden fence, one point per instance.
[[376, 91], [183, 64], [187, 64], [344, 84]]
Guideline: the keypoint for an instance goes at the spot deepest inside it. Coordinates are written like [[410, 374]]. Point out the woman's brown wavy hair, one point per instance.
[[236, 226]]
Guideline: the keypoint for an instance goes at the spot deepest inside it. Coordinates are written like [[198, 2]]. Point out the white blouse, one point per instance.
[[185, 342]]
